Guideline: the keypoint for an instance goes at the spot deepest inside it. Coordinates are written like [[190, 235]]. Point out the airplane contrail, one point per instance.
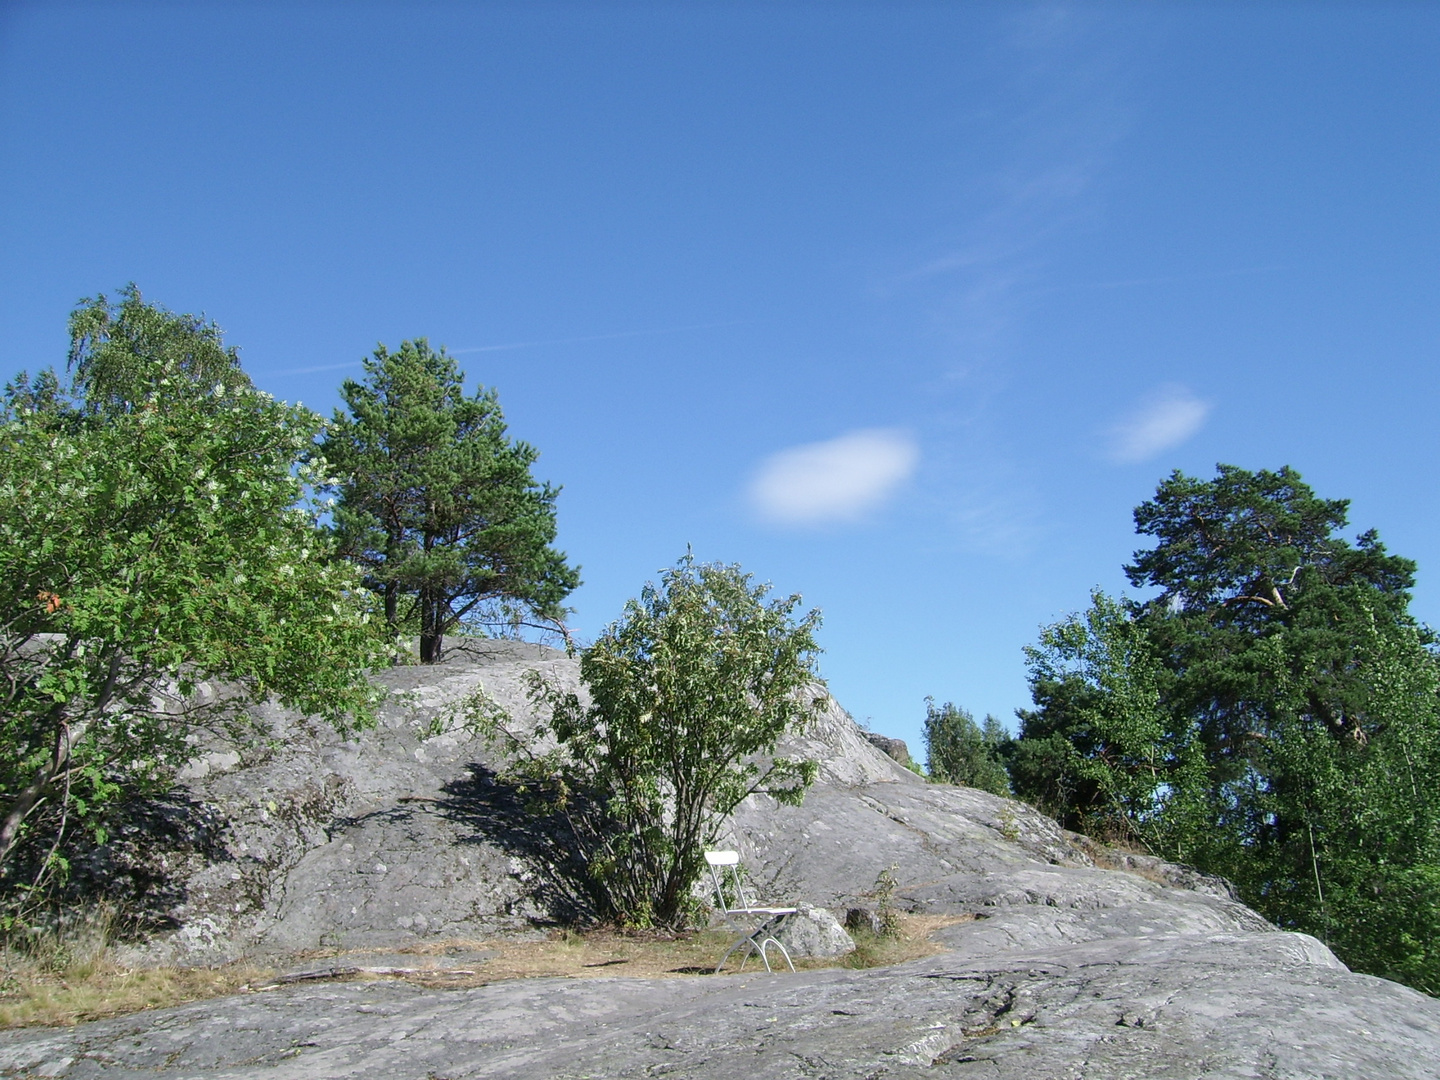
[[309, 370], [521, 345], [590, 337]]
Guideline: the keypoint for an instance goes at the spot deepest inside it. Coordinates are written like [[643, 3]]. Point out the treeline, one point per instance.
[[177, 546], [1268, 714]]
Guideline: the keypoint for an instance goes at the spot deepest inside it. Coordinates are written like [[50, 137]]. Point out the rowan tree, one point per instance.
[[159, 571], [689, 692]]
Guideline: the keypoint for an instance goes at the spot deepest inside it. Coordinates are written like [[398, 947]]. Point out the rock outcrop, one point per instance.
[[1062, 966], [895, 749], [1256, 1005]]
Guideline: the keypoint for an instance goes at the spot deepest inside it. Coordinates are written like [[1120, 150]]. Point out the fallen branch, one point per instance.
[[343, 971]]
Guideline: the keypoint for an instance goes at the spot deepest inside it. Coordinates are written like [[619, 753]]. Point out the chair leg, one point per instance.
[[783, 952], [745, 956], [731, 950], [754, 943], [749, 943], [763, 958]]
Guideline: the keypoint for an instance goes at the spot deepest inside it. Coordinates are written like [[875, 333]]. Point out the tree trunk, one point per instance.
[[39, 788], [392, 613], [20, 809], [432, 627]]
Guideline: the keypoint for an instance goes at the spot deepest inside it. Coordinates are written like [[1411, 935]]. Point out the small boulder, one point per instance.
[[892, 748], [813, 931], [862, 918]]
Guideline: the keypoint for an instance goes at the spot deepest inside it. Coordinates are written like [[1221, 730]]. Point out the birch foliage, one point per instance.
[[159, 571]]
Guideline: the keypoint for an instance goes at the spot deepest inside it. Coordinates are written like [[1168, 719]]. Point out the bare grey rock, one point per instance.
[[813, 931], [1069, 960], [395, 836], [1245, 1005]]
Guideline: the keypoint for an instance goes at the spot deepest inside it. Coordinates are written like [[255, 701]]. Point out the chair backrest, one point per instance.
[[731, 859]]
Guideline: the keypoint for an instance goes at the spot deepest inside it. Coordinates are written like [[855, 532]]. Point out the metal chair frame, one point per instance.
[[754, 924]]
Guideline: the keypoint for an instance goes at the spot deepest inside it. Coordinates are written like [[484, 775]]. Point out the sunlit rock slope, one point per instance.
[[1068, 970]]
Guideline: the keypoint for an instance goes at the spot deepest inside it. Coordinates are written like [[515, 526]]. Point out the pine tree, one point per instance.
[[1272, 716], [438, 504]]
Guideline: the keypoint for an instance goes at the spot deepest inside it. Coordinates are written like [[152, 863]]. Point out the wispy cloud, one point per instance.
[[1172, 279], [838, 480], [1058, 104], [1170, 416]]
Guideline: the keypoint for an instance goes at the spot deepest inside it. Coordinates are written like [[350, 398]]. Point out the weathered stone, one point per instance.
[[1247, 1005], [813, 931], [1073, 961], [862, 918], [397, 835], [895, 749]]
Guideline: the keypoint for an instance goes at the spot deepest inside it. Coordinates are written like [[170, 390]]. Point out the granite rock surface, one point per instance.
[[1222, 1005], [813, 931], [1069, 961]]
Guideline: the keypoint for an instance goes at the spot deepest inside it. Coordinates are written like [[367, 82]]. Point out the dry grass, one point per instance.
[[95, 990], [34, 993], [572, 954], [1123, 855], [914, 940]]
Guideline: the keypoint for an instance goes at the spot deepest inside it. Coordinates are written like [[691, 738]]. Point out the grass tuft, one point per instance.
[[69, 985], [909, 940], [95, 989]]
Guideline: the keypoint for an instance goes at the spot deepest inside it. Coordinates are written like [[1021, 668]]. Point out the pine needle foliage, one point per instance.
[[438, 505], [1271, 714]]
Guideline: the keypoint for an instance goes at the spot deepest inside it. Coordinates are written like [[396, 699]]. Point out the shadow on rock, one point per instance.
[[497, 812], [152, 846]]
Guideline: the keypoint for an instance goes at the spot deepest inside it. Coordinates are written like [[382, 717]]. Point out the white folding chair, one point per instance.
[[754, 924]]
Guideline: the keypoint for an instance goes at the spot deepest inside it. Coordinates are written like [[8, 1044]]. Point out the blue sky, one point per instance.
[[902, 307]]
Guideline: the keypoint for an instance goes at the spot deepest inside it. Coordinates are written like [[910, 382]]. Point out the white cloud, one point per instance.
[[837, 480], [1171, 416]]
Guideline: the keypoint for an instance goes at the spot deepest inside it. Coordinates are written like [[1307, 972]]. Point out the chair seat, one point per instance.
[[763, 910]]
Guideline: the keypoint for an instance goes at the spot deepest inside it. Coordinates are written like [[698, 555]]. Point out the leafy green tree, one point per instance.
[[157, 571], [1099, 751], [688, 694], [437, 504], [1290, 710], [131, 356], [960, 751]]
